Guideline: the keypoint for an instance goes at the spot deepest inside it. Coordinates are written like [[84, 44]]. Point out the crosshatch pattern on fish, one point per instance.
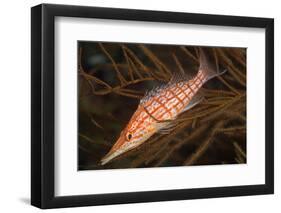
[[159, 112]]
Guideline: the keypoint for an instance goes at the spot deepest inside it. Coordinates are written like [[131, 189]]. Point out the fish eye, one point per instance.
[[129, 136]]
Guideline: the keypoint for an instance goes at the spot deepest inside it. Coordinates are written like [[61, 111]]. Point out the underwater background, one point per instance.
[[113, 77]]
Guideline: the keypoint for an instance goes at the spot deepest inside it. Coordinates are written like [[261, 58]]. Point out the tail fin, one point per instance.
[[208, 68]]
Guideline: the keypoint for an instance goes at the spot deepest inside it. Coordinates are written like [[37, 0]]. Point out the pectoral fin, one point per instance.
[[167, 128], [194, 101]]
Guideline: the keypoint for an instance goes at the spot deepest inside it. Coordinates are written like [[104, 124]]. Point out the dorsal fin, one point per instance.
[[152, 93], [177, 77]]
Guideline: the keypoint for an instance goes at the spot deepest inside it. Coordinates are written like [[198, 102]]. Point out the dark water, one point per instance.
[[113, 77]]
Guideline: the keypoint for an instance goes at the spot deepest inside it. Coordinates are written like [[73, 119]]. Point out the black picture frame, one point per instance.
[[43, 117]]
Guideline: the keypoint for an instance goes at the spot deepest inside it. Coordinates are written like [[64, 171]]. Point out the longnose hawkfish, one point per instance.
[[160, 107]]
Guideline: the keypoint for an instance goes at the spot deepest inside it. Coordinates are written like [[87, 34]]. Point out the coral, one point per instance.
[[213, 132]]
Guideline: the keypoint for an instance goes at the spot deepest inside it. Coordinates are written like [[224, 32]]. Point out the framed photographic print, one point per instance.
[[140, 106]]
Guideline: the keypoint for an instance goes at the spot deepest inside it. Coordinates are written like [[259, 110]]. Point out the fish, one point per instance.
[[158, 110]]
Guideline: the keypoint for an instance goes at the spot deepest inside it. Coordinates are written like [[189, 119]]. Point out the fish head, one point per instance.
[[139, 129]]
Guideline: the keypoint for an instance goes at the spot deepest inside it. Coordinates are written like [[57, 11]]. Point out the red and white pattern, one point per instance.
[[159, 108], [166, 105]]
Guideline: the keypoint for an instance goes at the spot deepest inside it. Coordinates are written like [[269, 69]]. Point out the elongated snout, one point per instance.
[[115, 151]]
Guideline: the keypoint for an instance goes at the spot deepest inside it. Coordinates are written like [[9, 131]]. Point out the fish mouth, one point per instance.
[[115, 151], [120, 147], [109, 156]]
